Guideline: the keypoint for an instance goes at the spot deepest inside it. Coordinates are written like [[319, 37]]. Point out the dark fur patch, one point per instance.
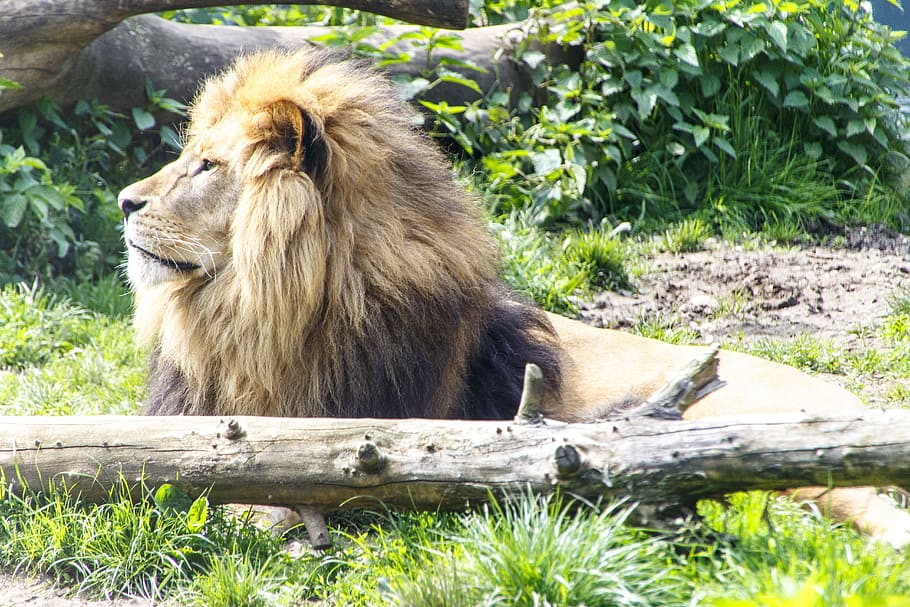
[[514, 336], [168, 392]]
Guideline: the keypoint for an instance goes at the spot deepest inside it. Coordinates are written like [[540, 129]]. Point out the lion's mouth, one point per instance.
[[181, 266]]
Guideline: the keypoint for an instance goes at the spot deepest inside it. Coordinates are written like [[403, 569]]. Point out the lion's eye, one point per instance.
[[205, 165]]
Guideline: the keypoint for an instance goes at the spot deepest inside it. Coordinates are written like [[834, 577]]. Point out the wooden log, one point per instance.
[[72, 50], [330, 463]]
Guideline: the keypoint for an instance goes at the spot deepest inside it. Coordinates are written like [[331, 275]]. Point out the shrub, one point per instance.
[[59, 177], [749, 110]]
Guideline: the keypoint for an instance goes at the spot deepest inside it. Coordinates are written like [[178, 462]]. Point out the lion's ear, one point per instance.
[[291, 130]]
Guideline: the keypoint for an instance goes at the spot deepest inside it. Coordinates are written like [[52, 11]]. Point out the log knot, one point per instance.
[[234, 431], [369, 459], [568, 461]]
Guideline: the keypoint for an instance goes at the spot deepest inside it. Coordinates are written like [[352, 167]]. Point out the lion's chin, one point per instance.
[[145, 269]]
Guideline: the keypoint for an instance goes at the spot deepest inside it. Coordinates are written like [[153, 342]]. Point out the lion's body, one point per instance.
[[310, 254], [357, 280]]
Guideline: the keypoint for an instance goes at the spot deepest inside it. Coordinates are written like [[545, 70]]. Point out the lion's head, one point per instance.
[[309, 253]]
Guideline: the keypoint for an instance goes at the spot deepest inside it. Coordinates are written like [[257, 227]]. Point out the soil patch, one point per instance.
[[741, 294], [730, 291], [22, 591]]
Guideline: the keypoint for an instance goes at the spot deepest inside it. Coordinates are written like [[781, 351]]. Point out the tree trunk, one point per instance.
[[327, 463], [86, 50]]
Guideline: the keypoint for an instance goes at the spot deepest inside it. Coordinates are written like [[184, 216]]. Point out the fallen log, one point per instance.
[[336, 463], [71, 50]]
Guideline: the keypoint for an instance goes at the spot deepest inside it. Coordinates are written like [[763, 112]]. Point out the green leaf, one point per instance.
[[197, 515], [634, 78], [456, 78], [826, 124], [769, 81], [855, 151], [61, 235], [6, 83], [546, 162], [533, 58], [667, 95], [710, 85], [171, 497], [12, 209], [729, 53], [144, 121], [777, 31], [686, 53], [645, 100], [750, 47], [854, 127], [796, 99], [870, 124], [669, 77], [411, 87], [813, 150], [701, 135], [709, 27], [170, 138], [460, 63], [725, 146]]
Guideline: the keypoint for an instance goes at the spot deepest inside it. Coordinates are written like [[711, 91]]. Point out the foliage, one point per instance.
[[34, 211], [686, 236], [555, 272], [665, 329], [273, 15], [34, 327], [749, 111], [59, 178], [544, 551]]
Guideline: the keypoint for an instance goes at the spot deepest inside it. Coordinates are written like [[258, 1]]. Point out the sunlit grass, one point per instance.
[[754, 550]]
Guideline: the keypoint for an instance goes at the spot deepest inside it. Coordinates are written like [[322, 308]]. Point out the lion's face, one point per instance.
[[177, 222]]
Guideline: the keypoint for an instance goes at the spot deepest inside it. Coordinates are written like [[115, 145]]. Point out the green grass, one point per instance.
[[665, 328], [774, 552], [57, 358], [752, 550], [527, 551], [554, 270], [686, 236]]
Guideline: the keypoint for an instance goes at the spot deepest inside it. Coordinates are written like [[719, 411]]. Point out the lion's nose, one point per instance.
[[128, 206]]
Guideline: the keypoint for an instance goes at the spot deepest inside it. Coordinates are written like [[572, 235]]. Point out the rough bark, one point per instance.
[[332, 463], [86, 50]]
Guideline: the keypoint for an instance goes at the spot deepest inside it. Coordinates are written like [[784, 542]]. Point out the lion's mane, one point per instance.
[[362, 281]]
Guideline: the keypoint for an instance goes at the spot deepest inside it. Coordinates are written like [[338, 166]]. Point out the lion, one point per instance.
[[311, 253]]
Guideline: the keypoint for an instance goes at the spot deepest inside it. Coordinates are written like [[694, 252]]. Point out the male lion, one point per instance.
[[310, 254]]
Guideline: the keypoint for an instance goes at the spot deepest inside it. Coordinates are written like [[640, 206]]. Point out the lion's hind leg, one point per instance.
[[871, 513], [603, 366]]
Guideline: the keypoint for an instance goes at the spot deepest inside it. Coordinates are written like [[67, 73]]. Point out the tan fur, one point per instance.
[[307, 230]]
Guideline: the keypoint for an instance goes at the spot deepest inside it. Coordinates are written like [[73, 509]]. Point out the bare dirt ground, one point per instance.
[[743, 294], [22, 591], [723, 293]]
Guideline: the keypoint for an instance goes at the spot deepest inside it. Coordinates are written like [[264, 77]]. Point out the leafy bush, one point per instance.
[[60, 173], [34, 211], [750, 111]]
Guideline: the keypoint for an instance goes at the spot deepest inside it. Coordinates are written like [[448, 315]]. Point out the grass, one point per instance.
[[750, 550], [555, 271], [57, 358]]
